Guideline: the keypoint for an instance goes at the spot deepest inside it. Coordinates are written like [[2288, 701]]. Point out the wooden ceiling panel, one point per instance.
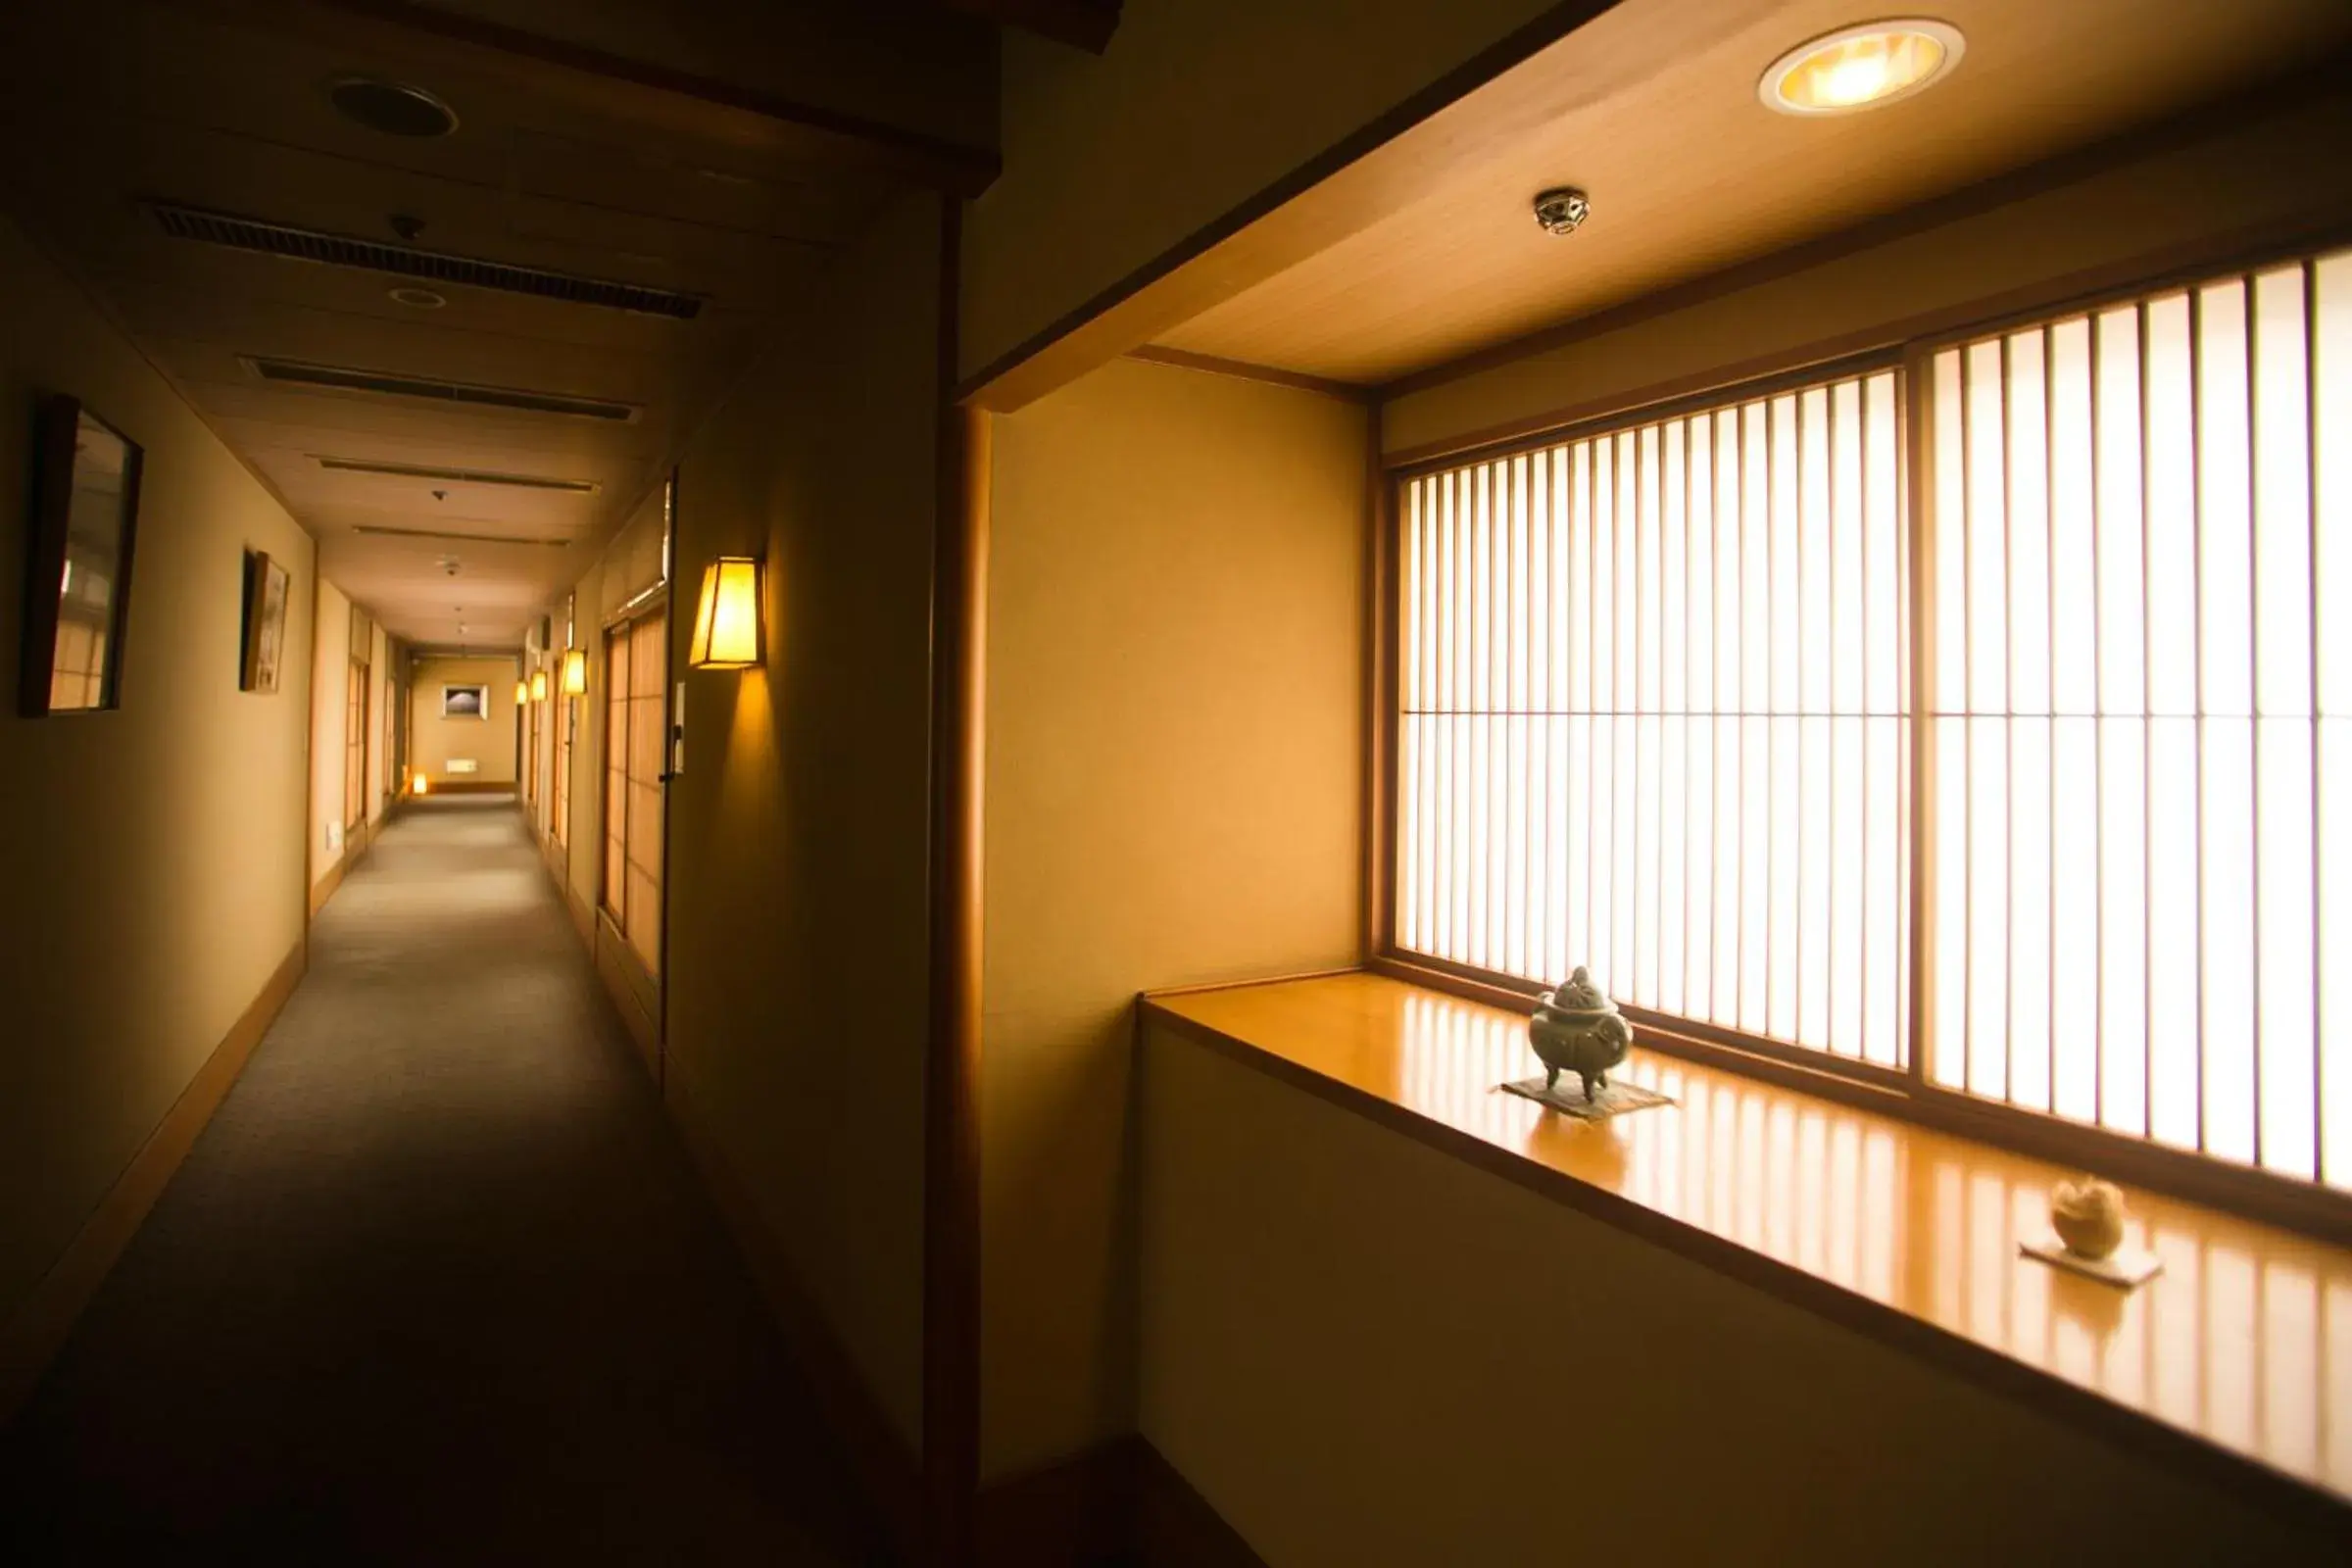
[[1655, 115], [117, 167]]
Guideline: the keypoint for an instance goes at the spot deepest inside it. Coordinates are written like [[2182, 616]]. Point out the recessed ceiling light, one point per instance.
[[391, 108], [424, 299], [1861, 67]]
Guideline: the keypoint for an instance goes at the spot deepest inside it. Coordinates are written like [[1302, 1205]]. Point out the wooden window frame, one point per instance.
[[1906, 1091], [621, 627], [356, 746]]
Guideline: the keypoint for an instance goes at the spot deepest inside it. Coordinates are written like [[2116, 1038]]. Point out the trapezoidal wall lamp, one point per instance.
[[728, 635], [576, 672]]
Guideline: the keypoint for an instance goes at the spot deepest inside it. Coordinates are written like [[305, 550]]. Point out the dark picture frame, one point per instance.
[[268, 588], [76, 455], [470, 701]]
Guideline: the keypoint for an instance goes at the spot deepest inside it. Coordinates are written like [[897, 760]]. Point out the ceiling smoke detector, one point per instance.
[[423, 299], [1563, 210], [392, 108]]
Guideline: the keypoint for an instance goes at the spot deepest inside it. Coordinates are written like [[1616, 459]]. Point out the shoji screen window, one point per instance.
[[355, 745], [1656, 716], [2142, 718], [637, 664]]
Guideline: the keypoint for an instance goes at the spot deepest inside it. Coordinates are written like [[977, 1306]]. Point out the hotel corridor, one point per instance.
[[438, 1282]]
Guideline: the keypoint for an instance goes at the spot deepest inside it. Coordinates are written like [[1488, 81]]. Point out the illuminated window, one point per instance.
[[636, 667], [354, 744], [2141, 710], [1655, 716]]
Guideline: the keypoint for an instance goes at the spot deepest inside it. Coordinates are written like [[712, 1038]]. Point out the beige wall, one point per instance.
[[153, 856], [797, 964], [433, 740], [2280, 170], [1363, 1351], [1175, 668], [1197, 107]]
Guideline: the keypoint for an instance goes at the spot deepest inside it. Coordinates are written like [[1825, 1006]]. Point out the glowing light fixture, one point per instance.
[[1861, 67], [726, 623], [424, 786], [539, 686], [576, 672], [522, 692]]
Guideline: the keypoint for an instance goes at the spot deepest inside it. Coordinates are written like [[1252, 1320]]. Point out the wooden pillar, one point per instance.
[[952, 1067]]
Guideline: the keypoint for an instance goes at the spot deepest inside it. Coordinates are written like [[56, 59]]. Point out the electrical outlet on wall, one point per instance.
[[334, 835]]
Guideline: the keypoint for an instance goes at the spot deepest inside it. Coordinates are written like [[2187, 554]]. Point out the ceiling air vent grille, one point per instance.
[[344, 378], [376, 532], [403, 261], [418, 471]]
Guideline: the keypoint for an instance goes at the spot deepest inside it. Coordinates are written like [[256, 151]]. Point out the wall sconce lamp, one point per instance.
[[576, 672], [539, 686], [522, 692], [726, 623]]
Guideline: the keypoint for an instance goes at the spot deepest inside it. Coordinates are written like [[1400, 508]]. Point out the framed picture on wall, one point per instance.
[[85, 512], [464, 702], [267, 585]]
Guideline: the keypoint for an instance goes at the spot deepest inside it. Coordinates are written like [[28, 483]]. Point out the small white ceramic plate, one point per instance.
[[2125, 1267]]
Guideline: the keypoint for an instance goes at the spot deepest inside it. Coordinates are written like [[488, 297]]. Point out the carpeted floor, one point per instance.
[[437, 1285]]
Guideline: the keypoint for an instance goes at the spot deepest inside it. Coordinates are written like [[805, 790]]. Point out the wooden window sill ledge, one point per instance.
[[2236, 1360]]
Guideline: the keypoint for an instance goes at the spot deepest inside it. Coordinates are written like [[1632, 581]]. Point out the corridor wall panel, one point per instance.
[[795, 963], [435, 740], [153, 856], [1173, 795]]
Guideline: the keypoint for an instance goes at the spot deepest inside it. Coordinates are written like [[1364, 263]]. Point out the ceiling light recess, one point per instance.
[[391, 108], [1862, 67]]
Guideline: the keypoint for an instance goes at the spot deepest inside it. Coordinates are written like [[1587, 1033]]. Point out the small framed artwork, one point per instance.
[[267, 585], [464, 702], [85, 514]]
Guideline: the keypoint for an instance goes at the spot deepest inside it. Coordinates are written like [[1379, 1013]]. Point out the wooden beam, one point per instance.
[[1080, 24], [951, 1058], [595, 80]]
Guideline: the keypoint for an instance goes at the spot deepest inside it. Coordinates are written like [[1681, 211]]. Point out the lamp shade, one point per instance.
[[726, 622], [576, 672], [539, 686], [522, 692]]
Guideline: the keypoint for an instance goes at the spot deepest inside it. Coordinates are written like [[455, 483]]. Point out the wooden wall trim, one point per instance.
[[2003, 1375], [634, 991], [37, 1330], [885, 1465], [952, 1054], [1119, 1501], [1243, 369], [355, 849], [474, 786]]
